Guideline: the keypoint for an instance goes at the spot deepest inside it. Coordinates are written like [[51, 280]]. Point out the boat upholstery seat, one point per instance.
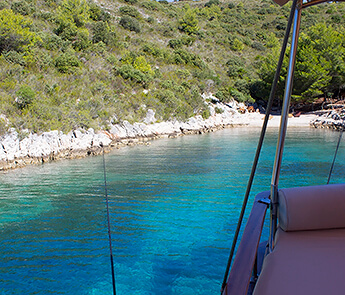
[[309, 252], [312, 208]]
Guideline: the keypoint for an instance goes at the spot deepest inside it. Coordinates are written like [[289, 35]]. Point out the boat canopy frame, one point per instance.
[[306, 3], [283, 122], [295, 19]]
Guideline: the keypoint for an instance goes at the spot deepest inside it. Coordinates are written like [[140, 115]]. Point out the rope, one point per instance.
[[108, 218], [260, 143], [335, 155]]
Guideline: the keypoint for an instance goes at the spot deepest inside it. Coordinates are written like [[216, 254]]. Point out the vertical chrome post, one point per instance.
[[260, 143], [283, 124]]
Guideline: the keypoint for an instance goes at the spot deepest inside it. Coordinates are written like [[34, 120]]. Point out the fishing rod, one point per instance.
[[108, 219]]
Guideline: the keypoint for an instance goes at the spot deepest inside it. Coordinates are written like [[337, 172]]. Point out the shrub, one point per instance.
[[258, 46], [172, 106], [66, 30], [24, 96], [172, 85], [167, 29], [175, 43], [51, 41], [218, 110], [184, 57], [130, 23], [183, 74], [129, 10], [74, 11], [97, 13], [189, 23], [205, 113], [237, 95], [15, 57], [128, 72], [81, 41], [22, 7], [78, 37], [223, 95], [151, 20], [187, 40], [99, 48], [131, 1], [150, 5], [336, 18], [129, 57], [212, 2], [242, 86], [142, 65], [236, 67], [3, 4], [3, 126], [259, 90], [237, 45], [67, 62], [15, 32], [101, 32], [152, 49], [186, 85]]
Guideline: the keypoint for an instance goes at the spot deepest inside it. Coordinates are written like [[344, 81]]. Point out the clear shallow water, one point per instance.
[[174, 206]]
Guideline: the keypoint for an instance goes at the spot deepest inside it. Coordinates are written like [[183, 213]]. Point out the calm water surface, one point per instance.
[[174, 206]]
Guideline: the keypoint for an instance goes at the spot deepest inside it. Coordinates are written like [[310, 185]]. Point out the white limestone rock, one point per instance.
[[118, 131], [150, 117], [130, 130], [10, 145], [101, 138]]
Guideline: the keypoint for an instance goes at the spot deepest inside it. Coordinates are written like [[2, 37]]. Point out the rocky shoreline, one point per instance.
[[53, 146], [50, 146], [334, 119]]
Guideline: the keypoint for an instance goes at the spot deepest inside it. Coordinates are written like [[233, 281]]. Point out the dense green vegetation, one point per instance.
[[74, 63]]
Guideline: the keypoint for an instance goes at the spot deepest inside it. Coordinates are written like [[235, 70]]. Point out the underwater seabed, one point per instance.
[[173, 208]]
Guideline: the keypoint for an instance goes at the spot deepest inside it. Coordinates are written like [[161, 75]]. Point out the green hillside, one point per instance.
[[76, 63]]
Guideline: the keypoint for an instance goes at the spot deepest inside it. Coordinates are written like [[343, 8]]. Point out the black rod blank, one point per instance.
[[108, 219]]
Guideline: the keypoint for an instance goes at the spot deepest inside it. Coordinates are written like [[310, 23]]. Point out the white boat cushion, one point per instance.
[[304, 263], [312, 208]]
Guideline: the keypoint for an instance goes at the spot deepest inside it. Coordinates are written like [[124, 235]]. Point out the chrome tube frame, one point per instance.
[[283, 124], [260, 143]]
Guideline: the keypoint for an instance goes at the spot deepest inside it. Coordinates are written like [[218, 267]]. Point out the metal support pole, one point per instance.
[[260, 143], [283, 124]]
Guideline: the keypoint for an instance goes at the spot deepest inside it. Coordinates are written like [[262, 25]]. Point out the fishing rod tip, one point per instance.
[[101, 144]]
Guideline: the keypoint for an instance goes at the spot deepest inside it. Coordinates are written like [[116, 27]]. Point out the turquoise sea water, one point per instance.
[[174, 206]]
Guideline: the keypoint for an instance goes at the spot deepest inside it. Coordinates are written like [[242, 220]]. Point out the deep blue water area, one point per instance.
[[174, 206]]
